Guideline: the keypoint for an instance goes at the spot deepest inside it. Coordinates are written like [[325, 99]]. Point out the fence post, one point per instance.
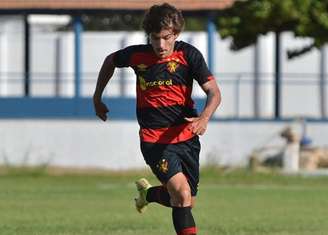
[[322, 83], [211, 29], [256, 94], [58, 69], [237, 91], [277, 104], [27, 50], [78, 28]]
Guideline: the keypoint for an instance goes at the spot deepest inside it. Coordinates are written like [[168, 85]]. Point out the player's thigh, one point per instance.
[[177, 183], [162, 159], [189, 158]]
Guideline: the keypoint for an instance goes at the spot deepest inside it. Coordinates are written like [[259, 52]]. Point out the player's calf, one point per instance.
[[183, 221], [160, 195]]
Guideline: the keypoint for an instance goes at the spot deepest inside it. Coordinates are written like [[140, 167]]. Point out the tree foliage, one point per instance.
[[112, 22], [245, 21], [128, 21]]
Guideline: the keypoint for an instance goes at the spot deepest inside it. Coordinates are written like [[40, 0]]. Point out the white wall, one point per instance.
[[303, 68], [74, 143], [115, 144]]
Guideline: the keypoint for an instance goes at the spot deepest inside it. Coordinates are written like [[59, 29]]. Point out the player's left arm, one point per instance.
[[199, 124]]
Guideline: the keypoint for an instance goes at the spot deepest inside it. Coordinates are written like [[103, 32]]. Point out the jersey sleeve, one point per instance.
[[198, 66], [122, 57]]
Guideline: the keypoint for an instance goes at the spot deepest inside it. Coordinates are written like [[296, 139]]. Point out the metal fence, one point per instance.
[[242, 96]]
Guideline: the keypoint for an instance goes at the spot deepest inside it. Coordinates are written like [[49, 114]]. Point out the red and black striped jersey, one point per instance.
[[164, 89]]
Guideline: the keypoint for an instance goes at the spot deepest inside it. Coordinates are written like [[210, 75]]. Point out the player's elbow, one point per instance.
[[109, 61]]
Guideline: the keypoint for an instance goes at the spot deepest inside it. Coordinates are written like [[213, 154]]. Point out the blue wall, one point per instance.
[[120, 108]]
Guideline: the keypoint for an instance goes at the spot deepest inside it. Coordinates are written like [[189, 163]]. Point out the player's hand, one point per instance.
[[198, 125], [100, 109]]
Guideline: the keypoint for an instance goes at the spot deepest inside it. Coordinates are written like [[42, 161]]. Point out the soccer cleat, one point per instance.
[[141, 202]]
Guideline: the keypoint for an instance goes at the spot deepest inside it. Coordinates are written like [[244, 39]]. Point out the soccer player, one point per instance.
[[169, 124]]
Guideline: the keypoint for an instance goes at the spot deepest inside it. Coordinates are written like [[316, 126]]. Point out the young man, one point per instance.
[[169, 124]]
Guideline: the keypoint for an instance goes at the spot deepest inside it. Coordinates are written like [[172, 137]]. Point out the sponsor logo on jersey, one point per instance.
[[144, 85]]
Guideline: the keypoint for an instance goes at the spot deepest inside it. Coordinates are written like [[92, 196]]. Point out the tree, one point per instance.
[[127, 21], [247, 20]]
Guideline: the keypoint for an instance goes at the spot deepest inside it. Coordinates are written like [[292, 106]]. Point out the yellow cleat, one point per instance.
[[141, 202]]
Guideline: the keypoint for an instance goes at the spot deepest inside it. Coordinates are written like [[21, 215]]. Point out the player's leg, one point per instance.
[[166, 164], [183, 187], [154, 155], [179, 190], [181, 201], [193, 201], [159, 194], [148, 194]]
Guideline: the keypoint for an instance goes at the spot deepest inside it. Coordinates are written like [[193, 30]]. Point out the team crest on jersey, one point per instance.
[[172, 66], [142, 67], [163, 166]]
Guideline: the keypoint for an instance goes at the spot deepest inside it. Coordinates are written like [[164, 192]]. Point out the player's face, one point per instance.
[[163, 42]]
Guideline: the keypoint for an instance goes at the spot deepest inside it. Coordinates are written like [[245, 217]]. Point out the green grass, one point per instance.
[[229, 203]]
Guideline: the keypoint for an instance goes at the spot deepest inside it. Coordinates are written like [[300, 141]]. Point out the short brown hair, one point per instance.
[[163, 16]]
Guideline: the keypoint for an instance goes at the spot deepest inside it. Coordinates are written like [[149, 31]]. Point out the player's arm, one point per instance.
[[199, 124], [106, 72]]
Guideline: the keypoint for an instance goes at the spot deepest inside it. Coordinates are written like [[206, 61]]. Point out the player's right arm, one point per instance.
[[106, 72], [119, 59]]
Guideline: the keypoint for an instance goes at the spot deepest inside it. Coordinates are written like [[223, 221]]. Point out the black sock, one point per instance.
[[159, 194], [183, 221]]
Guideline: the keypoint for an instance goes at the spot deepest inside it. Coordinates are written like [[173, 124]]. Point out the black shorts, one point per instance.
[[166, 160]]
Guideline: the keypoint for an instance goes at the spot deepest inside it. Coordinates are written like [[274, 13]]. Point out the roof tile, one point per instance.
[[188, 5]]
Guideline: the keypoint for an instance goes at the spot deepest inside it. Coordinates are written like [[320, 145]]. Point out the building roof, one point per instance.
[[73, 5]]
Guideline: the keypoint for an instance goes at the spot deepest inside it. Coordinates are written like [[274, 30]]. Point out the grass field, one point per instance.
[[229, 202]]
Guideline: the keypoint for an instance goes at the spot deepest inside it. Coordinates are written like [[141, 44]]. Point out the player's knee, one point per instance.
[[182, 198]]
